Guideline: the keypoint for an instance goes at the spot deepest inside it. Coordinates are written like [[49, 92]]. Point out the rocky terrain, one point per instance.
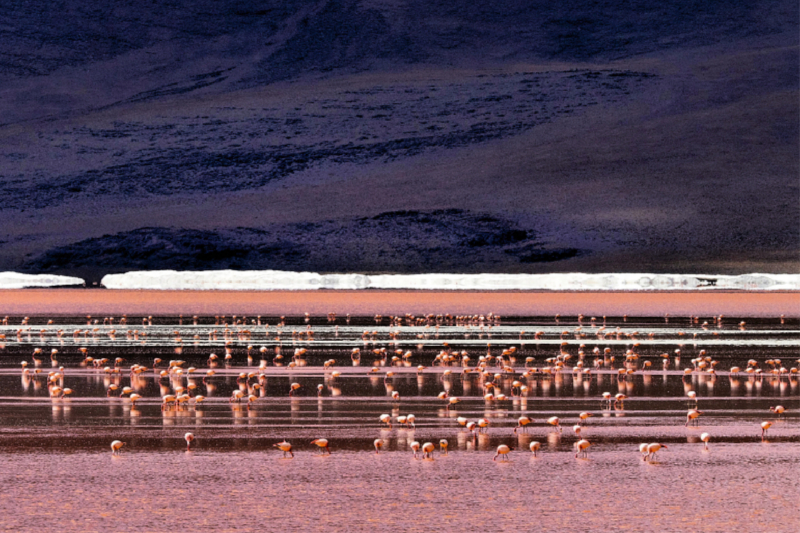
[[399, 136]]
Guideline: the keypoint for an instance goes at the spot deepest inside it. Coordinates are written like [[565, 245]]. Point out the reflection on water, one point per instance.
[[82, 387]]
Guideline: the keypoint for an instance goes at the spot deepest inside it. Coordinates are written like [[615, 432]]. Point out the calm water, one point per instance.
[[58, 471]]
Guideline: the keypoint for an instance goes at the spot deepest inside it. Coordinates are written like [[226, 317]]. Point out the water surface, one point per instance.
[[58, 470]]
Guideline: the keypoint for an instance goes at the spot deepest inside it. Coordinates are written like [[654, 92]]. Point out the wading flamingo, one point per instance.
[[522, 422], [502, 450], [415, 448], [643, 450], [693, 414], [323, 445], [534, 446], [652, 449], [427, 450], [764, 427], [285, 447], [581, 448]]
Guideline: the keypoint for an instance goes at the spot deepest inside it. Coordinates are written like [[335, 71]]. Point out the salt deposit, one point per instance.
[[16, 280], [281, 280]]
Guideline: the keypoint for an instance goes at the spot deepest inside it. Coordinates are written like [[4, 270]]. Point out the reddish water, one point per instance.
[[58, 474], [732, 487]]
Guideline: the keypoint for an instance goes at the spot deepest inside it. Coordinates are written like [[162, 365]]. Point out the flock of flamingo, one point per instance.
[[647, 450], [251, 383]]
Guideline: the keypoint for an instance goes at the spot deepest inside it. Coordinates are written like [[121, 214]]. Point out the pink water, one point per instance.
[[57, 472], [732, 487]]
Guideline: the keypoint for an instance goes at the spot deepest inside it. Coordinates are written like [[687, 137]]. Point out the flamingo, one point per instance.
[[692, 415], [778, 409], [502, 450], [606, 400], [415, 448], [134, 398], [534, 446], [378, 443], [522, 422], [705, 437], [553, 421], [581, 446], [584, 416], [251, 399], [483, 424], [293, 387], [451, 402], [168, 399], [620, 398], [692, 397], [643, 450], [410, 421], [386, 419], [764, 427], [188, 438], [427, 450], [443, 446], [653, 448], [115, 447], [577, 429], [285, 447], [323, 445]]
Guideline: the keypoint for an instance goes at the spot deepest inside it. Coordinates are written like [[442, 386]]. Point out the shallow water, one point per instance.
[[58, 471]]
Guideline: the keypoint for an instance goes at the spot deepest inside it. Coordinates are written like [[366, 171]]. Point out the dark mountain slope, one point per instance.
[[638, 135]]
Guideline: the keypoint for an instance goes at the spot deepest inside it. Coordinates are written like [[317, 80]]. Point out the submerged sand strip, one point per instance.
[[368, 302]]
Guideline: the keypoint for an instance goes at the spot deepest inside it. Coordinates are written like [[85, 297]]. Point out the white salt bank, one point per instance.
[[267, 280], [16, 280]]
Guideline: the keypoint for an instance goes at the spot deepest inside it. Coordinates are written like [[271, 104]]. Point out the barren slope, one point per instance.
[[657, 137]]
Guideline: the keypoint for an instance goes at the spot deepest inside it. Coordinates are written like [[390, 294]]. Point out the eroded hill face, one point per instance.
[[657, 136]]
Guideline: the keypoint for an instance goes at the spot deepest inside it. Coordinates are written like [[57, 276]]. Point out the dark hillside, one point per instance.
[[640, 135]]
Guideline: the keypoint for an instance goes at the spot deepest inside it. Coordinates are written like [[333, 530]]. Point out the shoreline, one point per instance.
[[74, 301]]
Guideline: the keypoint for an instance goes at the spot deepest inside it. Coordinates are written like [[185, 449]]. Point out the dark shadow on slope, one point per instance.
[[449, 240]]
